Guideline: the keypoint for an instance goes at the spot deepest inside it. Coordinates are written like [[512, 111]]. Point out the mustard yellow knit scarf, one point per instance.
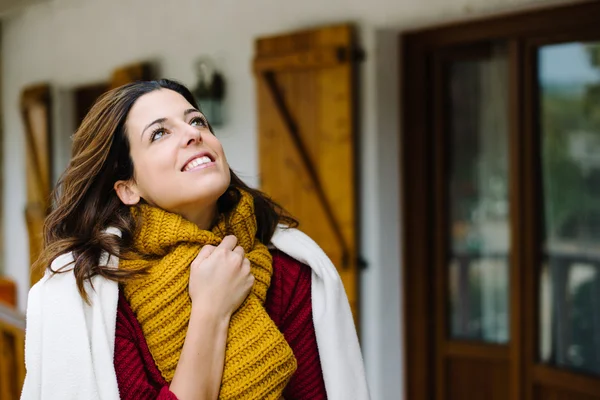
[[258, 360]]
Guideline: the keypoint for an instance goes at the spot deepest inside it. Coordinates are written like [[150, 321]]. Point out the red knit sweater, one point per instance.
[[289, 306]]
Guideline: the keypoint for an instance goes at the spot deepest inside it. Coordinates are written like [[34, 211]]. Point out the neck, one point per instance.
[[202, 216]]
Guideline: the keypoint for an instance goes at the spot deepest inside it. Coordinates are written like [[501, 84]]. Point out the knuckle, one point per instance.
[[219, 252]]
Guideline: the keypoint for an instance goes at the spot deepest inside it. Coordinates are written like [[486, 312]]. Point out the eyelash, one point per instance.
[[202, 120]]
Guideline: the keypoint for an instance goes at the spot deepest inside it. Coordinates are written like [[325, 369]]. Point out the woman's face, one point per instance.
[[179, 165]]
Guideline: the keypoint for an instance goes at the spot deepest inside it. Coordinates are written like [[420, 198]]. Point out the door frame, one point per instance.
[[522, 32]]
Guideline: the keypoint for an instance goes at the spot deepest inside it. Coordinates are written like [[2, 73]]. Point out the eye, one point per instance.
[[157, 134], [199, 121]]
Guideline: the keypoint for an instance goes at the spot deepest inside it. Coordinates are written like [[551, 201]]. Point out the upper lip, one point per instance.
[[202, 154]]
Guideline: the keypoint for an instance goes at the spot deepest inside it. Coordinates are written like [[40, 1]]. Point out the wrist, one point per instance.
[[210, 314]]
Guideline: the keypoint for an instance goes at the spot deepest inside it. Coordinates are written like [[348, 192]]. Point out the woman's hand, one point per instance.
[[220, 278]]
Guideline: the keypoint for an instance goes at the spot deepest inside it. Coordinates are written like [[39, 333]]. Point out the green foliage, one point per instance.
[[569, 195]]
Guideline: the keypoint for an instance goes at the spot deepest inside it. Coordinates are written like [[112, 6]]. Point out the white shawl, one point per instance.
[[69, 345]]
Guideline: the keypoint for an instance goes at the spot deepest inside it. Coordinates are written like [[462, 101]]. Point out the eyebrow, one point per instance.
[[189, 111], [161, 120]]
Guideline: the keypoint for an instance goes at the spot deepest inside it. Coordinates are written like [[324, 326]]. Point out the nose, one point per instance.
[[191, 136]]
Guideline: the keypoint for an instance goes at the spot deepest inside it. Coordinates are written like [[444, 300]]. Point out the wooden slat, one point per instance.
[[458, 349], [317, 58], [441, 160], [532, 221], [520, 24], [568, 381], [516, 209], [299, 41], [416, 204], [552, 393]]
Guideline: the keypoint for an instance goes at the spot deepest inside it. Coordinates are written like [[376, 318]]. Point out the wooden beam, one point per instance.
[[316, 58]]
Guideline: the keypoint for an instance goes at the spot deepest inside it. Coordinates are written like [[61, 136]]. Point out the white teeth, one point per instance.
[[197, 162]]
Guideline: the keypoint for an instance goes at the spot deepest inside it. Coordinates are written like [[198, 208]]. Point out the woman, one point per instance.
[[170, 278]]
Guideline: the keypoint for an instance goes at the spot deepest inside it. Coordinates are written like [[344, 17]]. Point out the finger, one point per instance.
[[250, 281], [239, 250], [228, 243], [246, 266], [205, 252]]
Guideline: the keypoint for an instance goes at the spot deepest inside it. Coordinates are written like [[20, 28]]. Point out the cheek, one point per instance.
[[216, 145], [149, 168]]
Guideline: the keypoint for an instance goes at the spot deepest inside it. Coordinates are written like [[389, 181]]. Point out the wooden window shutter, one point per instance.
[[36, 114], [306, 130]]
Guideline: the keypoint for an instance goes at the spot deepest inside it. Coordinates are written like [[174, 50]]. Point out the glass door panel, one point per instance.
[[569, 103], [477, 109]]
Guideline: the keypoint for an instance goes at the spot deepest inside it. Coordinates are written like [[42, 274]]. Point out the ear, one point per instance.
[[127, 192]]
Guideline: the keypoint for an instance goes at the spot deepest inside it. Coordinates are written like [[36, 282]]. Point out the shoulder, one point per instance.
[[52, 281], [60, 279], [302, 248], [297, 245], [58, 295]]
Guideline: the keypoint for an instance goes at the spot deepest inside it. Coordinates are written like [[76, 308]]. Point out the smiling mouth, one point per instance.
[[197, 162]]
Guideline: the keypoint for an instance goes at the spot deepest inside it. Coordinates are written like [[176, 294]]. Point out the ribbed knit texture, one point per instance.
[[288, 304], [258, 360]]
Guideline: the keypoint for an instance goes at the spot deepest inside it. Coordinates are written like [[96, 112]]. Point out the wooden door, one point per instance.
[[502, 224], [306, 98]]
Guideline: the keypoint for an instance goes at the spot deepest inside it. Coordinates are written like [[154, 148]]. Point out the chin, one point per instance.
[[208, 195]]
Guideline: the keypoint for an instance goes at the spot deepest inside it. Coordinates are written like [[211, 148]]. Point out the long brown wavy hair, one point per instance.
[[86, 204]]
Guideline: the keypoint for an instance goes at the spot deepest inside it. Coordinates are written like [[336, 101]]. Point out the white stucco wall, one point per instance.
[[74, 42]]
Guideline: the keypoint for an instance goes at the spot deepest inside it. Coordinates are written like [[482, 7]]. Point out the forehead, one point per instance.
[[163, 103]]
